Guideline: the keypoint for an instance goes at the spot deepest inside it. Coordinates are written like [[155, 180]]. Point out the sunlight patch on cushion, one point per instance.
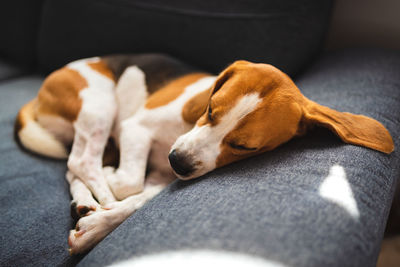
[[337, 189]]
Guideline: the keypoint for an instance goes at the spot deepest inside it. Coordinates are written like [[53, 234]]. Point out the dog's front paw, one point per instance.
[[122, 184]]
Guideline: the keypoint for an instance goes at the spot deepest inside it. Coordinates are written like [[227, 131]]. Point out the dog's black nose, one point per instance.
[[180, 163]]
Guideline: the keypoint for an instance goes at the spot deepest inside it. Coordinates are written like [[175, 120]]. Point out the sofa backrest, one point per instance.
[[371, 23], [19, 23], [206, 33]]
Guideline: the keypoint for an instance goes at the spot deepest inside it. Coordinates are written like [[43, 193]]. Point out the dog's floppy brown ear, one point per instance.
[[227, 73], [197, 105], [353, 129]]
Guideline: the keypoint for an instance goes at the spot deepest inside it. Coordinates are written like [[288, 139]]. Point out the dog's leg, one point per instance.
[[133, 139], [82, 202], [91, 229], [85, 161], [135, 144], [92, 130]]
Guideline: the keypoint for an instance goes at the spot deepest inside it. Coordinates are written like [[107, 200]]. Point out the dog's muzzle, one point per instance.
[[180, 163]]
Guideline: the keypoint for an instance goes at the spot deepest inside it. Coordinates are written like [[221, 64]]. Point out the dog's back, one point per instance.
[[45, 124]]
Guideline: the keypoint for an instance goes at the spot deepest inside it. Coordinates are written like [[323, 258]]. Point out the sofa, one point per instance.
[[314, 201]]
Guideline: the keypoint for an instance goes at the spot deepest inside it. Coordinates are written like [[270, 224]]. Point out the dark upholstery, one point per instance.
[[10, 70], [209, 34], [19, 23], [270, 206]]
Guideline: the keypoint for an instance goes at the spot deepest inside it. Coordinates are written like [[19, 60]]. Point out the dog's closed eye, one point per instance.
[[241, 147], [210, 113]]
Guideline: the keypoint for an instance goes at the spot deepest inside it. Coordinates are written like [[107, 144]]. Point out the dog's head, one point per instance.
[[253, 108]]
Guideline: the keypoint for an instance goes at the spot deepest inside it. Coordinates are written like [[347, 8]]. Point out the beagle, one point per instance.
[[168, 120]]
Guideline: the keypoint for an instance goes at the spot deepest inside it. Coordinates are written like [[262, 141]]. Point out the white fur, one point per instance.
[[59, 127], [167, 123], [93, 228], [148, 133], [36, 138], [135, 144], [145, 141], [202, 143], [151, 131], [92, 129], [81, 195], [131, 93], [97, 98], [337, 189]]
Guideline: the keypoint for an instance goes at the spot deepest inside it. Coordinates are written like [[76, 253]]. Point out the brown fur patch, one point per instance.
[[59, 94], [172, 90], [196, 107], [102, 68], [25, 114], [19, 121], [260, 130]]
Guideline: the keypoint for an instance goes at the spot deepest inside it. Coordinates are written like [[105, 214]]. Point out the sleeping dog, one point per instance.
[[168, 120]]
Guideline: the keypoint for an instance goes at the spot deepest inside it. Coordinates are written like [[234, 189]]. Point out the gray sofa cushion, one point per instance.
[[35, 217], [209, 34], [315, 201]]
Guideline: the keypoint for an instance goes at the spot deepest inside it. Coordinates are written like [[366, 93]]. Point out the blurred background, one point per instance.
[[365, 23]]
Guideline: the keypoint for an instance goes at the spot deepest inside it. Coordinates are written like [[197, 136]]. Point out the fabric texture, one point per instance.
[[19, 23], [208, 34], [35, 217], [314, 201]]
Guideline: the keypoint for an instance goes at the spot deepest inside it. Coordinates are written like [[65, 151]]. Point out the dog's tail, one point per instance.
[[34, 137]]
